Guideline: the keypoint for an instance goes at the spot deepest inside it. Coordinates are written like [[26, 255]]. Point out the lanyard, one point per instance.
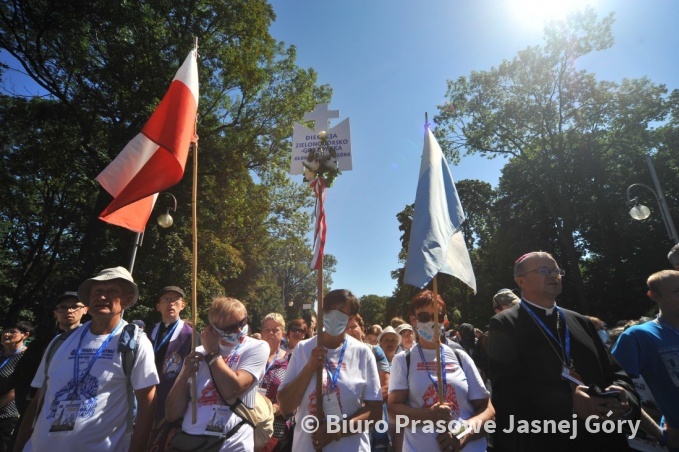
[[16, 352], [545, 328], [666, 325], [97, 355], [333, 376], [167, 337], [232, 356], [268, 366], [443, 367]]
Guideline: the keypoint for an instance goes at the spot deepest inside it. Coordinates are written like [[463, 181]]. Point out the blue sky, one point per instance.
[[388, 62]]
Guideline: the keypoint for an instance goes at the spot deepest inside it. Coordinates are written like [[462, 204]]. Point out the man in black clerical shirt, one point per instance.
[[545, 365], [171, 339]]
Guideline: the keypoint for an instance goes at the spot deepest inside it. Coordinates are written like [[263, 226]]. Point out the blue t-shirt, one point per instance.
[[652, 351], [381, 359]]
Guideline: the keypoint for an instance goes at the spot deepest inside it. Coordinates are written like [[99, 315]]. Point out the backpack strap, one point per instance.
[[128, 346], [408, 365]]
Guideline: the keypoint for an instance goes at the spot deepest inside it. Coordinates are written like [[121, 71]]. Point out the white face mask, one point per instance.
[[231, 338], [335, 322], [426, 330]]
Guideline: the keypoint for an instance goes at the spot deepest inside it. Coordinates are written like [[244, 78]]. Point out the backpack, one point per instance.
[[127, 346]]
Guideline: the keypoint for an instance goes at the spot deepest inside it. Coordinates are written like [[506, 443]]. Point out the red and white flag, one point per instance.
[[155, 159], [319, 187]]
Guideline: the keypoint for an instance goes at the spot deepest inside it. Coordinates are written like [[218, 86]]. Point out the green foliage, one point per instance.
[[574, 144], [373, 308], [102, 68]]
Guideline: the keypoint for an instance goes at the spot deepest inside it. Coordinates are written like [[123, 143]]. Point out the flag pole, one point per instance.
[[194, 275], [437, 334], [439, 370], [137, 244], [319, 338]]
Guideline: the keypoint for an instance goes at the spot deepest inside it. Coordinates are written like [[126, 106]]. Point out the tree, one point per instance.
[[559, 126], [373, 308], [104, 67]]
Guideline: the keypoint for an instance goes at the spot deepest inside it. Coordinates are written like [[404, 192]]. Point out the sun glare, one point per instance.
[[537, 13]]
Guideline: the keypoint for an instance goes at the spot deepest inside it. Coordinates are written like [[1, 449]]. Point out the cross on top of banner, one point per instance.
[[321, 117]]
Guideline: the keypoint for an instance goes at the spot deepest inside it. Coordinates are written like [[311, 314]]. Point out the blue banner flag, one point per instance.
[[436, 241]]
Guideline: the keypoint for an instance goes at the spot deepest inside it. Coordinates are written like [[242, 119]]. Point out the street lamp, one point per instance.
[[641, 212], [165, 220]]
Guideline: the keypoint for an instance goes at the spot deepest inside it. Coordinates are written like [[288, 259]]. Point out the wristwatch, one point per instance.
[[211, 357]]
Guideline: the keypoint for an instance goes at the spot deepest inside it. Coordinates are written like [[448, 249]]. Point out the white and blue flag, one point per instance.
[[436, 241]]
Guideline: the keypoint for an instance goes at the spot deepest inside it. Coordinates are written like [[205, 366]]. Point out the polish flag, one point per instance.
[[155, 159]]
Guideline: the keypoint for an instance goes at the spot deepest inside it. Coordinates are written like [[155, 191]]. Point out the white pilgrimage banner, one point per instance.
[[304, 139]]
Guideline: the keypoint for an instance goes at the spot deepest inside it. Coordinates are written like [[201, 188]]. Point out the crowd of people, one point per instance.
[[537, 377]]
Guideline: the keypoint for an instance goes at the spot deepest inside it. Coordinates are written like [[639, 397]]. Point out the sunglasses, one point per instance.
[[234, 327], [424, 317], [298, 330]]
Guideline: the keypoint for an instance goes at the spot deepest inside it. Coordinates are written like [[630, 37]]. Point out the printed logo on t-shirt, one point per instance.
[[209, 396], [670, 357], [431, 366], [430, 397], [312, 398], [87, 388]]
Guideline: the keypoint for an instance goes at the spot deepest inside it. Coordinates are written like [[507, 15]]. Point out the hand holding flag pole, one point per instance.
[[436, 242]]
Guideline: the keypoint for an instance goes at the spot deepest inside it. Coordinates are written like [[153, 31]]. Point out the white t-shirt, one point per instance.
[[211, 413], [463, 383], [96, 416], [357, 382]]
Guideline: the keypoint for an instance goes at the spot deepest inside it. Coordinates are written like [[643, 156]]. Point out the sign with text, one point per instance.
[[304, 139]]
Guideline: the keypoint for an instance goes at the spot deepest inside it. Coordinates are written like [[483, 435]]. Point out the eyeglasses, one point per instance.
[[10, 333], [231, 328], [544, 271], [170, 300], [425, 317], [63, 309], [298, 330]]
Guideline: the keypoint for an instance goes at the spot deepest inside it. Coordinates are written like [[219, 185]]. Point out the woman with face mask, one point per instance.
[[413, 388], [351, 387], [226, 367]]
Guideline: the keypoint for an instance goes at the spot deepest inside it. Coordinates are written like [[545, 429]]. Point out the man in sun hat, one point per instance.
[[83, 401]]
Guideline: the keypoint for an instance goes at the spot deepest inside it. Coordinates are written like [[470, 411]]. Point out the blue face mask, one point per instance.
[[335, 322]]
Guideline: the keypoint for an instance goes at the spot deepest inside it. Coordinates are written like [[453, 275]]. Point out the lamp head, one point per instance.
[[640, 212], [165, 220]]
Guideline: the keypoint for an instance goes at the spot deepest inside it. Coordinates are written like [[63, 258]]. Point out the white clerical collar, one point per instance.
[[548, 311]]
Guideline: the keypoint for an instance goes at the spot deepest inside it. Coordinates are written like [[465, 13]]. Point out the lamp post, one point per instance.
[[641, 212], [164, 221]]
